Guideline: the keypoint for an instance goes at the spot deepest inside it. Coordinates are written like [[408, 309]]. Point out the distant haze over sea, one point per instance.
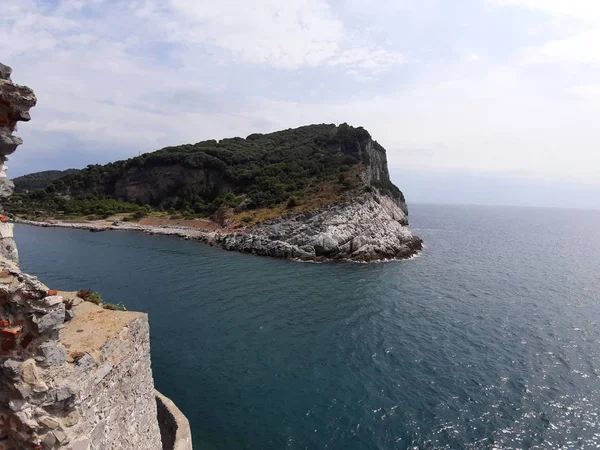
[[462, 187]]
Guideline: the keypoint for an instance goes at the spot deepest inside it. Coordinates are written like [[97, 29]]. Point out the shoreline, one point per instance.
[[211, 238], [167, 230]]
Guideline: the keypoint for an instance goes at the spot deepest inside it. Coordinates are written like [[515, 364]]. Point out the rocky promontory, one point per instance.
[[368, 227], [371, 227], [319, 192]]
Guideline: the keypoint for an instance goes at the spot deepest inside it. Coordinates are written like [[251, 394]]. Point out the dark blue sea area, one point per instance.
[[489, 339]]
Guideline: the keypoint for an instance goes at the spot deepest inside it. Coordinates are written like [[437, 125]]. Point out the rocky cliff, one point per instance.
[[73, 375], [370, 227], [312, 193]]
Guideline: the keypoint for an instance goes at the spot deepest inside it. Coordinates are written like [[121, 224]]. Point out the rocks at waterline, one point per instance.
[[370, 227]]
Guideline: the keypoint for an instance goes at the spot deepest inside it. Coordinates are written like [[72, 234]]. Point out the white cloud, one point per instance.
[[99, 81], [583, 10], [373, 60], [289, 35], [582, 48], [492, 122], [123, 77], [576, 42], [286, 34], [586, 91]]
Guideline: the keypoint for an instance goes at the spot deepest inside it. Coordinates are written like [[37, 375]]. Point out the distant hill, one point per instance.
[[308, 166], [313, 193], [39, 180]]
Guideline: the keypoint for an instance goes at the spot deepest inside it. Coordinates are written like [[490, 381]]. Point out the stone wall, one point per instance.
[[15, 103], [83, 384], [72, 374], [174, 426]]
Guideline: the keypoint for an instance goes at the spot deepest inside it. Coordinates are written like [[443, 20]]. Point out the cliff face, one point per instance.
[[161, 184], [73, 375], [369, 227]]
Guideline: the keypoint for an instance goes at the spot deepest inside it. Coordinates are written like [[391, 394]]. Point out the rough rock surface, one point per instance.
[[86, 383], [371, 226], [366, 228], [15, 103]]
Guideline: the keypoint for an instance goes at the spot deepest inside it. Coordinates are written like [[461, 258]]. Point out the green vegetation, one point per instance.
[[286, 169], [95, 298], [40, 203], [39, 180]]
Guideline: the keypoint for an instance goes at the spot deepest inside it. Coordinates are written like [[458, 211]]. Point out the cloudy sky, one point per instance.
[[481, 101]]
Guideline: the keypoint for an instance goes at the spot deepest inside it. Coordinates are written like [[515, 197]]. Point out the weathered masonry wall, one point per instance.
[[83, 384], [174, 426], [15, 103], [72, 375]]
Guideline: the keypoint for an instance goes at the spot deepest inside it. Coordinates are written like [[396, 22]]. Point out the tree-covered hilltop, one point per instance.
[[288, 167], [39, 180]]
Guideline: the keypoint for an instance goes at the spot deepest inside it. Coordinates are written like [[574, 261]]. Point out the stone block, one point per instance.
[[83, 444], [6, 230], [8, 249], [51, 301], [53, 353], [50, 422], [49, 440], [71, 419], [50, 321], [60, 436], [30, 375], [8, 144], [5, 72], [11, 369]]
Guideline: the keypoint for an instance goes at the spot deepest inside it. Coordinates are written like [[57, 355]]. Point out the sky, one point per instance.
[[476, 101]]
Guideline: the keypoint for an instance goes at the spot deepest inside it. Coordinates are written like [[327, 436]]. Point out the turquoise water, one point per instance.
[[490, 339]]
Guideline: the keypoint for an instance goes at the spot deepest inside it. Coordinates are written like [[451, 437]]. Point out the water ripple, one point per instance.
[[488, 340]]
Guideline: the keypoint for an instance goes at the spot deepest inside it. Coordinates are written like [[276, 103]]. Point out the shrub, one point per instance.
[[114, 306], [139, 214], [95, 298], [90, 296]]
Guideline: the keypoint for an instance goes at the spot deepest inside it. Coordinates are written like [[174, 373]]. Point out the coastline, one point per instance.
[[168, 230], [212, 238]]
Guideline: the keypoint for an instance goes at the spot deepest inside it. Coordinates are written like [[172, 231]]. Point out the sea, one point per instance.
[[489, 339]]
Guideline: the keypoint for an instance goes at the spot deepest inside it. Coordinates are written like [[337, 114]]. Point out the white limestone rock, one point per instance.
[[367, 227]]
